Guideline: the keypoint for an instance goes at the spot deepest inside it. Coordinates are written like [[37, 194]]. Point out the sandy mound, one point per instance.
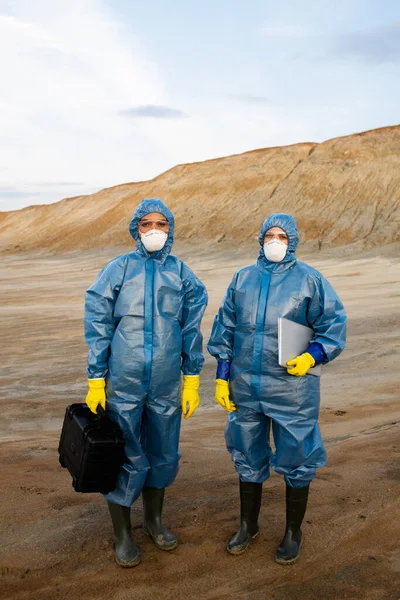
[[342, 191]]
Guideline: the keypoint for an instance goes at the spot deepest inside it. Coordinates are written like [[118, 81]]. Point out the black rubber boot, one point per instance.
[[126, 553], [153, 499], [250, 502], [296, 504]]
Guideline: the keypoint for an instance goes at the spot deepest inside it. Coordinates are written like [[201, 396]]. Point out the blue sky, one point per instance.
[[96, 93]]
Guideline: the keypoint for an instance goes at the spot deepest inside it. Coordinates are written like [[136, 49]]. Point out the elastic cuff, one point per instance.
[[223, 370], [317, 352]]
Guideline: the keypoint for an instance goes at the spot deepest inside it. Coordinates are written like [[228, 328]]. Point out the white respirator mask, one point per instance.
[[275, 251], [153, 240]]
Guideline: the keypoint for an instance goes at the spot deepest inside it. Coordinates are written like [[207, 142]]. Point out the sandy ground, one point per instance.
[[57, 544]]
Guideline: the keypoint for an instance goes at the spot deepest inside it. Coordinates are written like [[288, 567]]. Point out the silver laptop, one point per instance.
[[293, 339]]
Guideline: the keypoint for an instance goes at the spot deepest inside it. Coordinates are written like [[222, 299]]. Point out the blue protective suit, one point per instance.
[[244, 340], [142, 323]]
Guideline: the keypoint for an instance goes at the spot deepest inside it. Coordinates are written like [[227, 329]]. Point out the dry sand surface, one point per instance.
[[57, 544]]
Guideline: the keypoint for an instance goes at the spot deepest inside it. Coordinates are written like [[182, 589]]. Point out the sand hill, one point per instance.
[[345, 190]]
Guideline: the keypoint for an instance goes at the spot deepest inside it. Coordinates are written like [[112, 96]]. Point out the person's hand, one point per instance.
[[96, 394], [222, 395], [300, 365], [190, 394]]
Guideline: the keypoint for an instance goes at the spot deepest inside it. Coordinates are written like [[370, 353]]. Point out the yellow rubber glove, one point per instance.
[[300, 365], [222, 395], [96, 394], [190, 394]]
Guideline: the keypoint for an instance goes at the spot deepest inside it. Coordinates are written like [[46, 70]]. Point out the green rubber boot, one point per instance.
[[126, 553], [153, 500]]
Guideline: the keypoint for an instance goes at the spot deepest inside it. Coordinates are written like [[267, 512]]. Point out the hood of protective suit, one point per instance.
[[288, 224], [150, 206]]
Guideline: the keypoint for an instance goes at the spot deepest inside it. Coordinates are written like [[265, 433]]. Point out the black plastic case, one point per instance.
[[91, 448]]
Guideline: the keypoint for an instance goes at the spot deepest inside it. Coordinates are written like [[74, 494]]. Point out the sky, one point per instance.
[[94, 93]]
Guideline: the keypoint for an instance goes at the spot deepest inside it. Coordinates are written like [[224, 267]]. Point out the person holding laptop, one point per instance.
[[258, 393]]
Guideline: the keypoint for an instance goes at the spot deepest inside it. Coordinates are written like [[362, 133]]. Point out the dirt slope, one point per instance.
[[342, 191]]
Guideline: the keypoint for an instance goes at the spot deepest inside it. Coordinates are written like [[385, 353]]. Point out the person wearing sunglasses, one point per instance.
[[142, 325], [261, 395]]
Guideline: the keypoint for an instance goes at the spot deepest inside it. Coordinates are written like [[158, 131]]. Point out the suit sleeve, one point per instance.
[[99, 322], [194, 304], [326, 315]]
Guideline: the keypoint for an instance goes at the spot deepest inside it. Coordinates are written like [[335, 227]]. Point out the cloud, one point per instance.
[[375, 46], [250, 99], [300, 42], [153, 111], [67, 68], [16, 197], [11, 192], [52, 184], [12, 25]]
